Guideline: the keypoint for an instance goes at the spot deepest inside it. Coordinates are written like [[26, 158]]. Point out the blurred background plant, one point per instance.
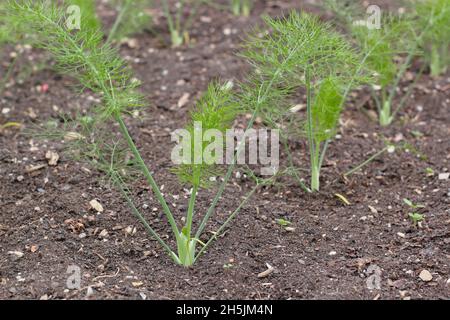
[[302, 53], [432, 17], [241, 7]]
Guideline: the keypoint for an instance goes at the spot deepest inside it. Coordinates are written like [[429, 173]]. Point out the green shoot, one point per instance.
[[241, 7], [389, 149], [324, 64], [429, 172], [412, 205], [433, 16], [178, 26], [416, 218], [283, 223]]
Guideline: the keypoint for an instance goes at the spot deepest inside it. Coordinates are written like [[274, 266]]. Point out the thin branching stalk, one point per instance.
[[366, 162], [148, 175]]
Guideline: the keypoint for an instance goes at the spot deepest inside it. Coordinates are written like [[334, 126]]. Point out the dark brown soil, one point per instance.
[[329, 254]]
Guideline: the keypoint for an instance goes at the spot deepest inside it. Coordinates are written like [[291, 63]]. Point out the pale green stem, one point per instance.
[[369, 160], [190, 214], [310, 129], [147, 174], [142, 219], [118, 21], [230, 218]]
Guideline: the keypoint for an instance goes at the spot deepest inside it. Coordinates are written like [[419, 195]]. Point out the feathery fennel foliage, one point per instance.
[[301, 52], [82, 54], [397, 37], [433, 17]]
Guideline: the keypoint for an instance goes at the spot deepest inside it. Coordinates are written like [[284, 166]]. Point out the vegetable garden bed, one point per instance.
[[285, 242]]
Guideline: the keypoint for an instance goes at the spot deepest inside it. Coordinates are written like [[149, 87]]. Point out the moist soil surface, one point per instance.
[[367, 249]]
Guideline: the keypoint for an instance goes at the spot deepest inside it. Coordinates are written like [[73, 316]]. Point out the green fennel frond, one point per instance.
[[82, 55], [216, 110], [383, 46]]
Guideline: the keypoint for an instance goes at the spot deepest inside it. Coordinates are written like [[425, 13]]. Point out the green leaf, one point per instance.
[[283, 222]]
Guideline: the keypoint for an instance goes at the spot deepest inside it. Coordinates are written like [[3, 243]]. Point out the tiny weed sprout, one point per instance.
[[429, 172], [433, 16], [83, 55], [416, 218], [412, 205], [241, 7], [283, 223], [177, 23], [300, 52]]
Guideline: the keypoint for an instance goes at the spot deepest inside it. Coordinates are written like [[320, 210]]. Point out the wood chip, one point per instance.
[[96, 205], [266, 273], [183, 100], [30, 169]]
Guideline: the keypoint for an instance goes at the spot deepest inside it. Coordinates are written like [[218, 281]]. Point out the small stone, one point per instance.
[[17, 254], [137, 284], [103, 233], [332, 253], [425, 275], [82, 235], [205, 19], [444, 176], [227, 31], [373, 210], [401, 234], [20, 178]]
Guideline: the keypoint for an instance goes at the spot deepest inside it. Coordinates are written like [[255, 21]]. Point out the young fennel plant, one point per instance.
[[325, 65], [178, 26], [398, 36], [97, 67], [432, 17]]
